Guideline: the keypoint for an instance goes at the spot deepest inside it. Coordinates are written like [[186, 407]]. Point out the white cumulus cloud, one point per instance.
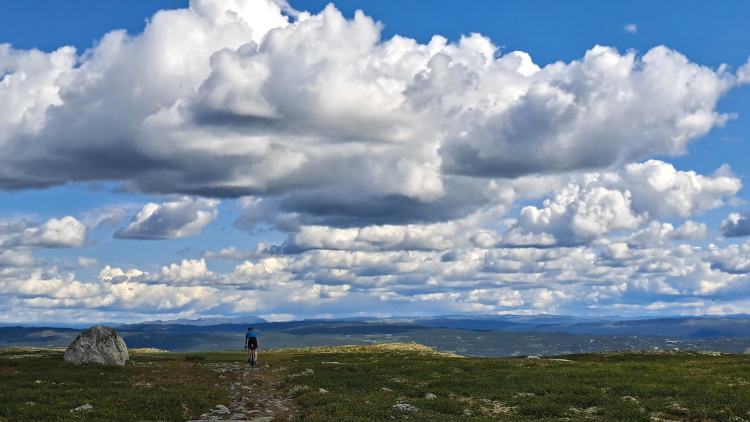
[[171, 220], [736, 225], [602, 203], [66, 232], [231, 99]]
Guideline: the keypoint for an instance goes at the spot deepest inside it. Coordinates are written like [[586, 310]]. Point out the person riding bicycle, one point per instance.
[[251, 345]]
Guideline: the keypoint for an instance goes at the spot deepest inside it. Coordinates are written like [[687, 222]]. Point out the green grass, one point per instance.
[[629, 386], [39, 386], [363, 383]]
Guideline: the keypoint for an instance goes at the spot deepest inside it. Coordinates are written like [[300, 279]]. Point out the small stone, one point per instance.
[[322, 390], [221, 410], [237, 417], [85, 407], [430, 396], [404, 407]]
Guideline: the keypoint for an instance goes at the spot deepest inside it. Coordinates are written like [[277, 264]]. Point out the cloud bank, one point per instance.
[[251, 104], [439, 177]]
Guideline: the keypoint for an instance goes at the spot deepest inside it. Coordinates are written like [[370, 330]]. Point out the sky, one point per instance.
[[290, 160]]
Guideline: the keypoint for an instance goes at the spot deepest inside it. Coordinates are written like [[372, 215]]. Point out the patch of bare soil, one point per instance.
[[255, 395]]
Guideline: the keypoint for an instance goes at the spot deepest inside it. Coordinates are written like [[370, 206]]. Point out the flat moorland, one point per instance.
[[38, 386], [384, 382]]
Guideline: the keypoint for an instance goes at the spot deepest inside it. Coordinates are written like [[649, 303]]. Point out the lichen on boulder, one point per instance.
[[99, 344]]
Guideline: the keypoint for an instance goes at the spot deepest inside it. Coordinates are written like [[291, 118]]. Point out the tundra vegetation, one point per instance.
[[365, 383]]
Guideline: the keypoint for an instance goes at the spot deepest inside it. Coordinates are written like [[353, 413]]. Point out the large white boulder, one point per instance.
[[99, 344]]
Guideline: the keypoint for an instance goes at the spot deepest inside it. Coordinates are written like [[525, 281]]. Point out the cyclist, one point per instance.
[[251, 345]]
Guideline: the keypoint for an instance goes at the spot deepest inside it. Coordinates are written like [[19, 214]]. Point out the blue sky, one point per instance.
[[296, 160]]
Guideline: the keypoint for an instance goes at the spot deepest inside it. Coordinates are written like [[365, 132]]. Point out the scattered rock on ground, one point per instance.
[[220, 409], [99, 344], [404, 407], [430, 396], [84, 408]]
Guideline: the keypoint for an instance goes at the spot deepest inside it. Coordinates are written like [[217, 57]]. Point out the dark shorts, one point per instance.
[[252, 344]]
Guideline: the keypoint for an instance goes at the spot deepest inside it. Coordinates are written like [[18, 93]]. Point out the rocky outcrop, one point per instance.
[[99, 344]]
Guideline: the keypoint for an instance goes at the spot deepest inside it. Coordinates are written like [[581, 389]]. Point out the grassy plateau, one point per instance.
[[364, 383]]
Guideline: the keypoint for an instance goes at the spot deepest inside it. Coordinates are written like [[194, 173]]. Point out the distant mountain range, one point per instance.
[[484, 335], [202, 322], [686, 327]]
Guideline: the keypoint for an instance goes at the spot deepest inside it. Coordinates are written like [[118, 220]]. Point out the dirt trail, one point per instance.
[[255, 395]]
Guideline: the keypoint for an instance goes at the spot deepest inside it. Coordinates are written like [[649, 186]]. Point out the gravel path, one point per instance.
[[255, 395]]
